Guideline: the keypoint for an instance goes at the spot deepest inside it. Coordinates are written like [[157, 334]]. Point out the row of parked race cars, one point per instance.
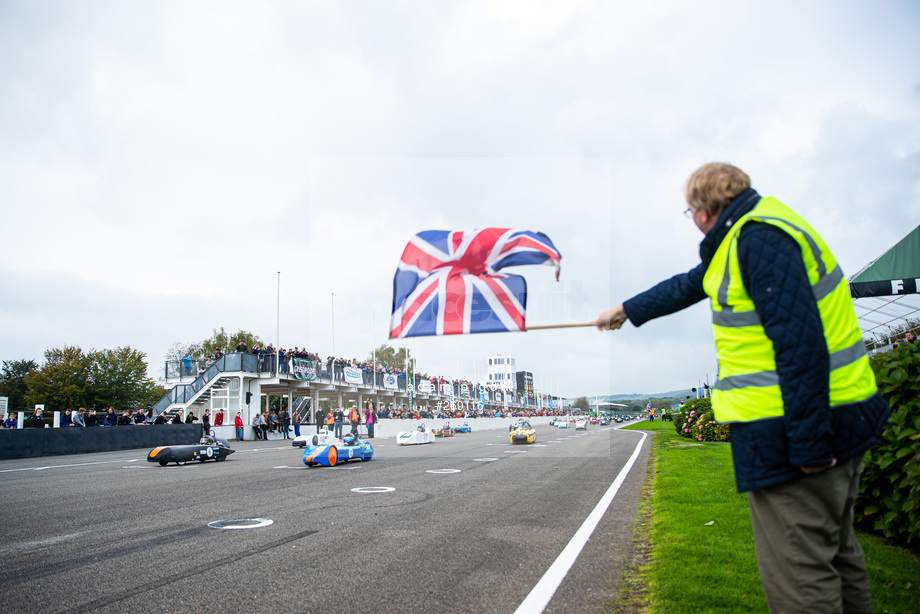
[[324, 448]]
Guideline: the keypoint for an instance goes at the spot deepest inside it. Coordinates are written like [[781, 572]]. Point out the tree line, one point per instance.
[[70, 378]]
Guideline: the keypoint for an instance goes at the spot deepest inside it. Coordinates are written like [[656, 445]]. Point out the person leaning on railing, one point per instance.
[[37, 420]]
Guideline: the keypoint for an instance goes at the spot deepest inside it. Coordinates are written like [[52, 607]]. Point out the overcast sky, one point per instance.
[[160, 162]]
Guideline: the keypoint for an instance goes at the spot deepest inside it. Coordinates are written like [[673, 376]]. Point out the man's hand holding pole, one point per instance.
[[612, 319]]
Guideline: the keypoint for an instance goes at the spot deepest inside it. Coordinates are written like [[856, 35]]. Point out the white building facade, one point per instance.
[[500, 372]]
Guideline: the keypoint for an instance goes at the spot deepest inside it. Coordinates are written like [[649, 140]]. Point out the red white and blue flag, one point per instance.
[[447, 282]]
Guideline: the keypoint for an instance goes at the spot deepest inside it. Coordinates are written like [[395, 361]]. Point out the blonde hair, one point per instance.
[[713, 186]]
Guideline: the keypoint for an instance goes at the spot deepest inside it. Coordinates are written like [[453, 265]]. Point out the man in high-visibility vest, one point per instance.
[[795, 384]]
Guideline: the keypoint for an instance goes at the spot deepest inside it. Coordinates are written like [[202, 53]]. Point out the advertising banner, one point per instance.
[[303, 369], [410, 388], [390, 381], [482, 397], [353, 376]]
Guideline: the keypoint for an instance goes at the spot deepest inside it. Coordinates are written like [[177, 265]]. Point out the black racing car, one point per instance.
[[208, 448]]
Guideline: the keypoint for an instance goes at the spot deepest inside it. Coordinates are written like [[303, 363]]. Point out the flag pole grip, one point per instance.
[[544, 326]]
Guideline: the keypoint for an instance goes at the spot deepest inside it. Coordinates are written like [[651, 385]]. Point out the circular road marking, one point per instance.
[[443, 471], [241, 523], [373, 489]]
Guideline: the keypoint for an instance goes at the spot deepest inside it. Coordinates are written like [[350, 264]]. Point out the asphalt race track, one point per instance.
[[465, 524]]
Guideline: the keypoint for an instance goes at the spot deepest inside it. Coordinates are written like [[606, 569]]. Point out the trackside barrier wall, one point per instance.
[[27, 443]]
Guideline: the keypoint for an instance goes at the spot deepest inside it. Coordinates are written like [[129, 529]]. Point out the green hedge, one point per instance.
[[889, 497]]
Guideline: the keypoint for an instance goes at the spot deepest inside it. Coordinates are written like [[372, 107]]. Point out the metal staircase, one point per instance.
[[200, 390]]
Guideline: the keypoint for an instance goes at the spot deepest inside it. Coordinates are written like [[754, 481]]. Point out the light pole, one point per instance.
[[374, 346], [278, 326], [333, 326]]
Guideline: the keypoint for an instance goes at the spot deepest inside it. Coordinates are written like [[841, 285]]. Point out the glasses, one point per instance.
[[688, 213]]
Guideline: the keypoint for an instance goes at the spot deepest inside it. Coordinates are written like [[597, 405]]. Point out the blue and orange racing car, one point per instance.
[[330, 455]]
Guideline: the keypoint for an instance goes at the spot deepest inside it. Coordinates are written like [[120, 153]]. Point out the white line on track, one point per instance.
[[64, 466], [34, 545], [544, 590]]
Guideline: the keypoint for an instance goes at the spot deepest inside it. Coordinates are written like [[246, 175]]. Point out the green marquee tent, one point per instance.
[[887, 290], [895, 272]]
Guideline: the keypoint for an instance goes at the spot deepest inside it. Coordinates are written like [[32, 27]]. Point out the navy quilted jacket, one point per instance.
[[809, 434]]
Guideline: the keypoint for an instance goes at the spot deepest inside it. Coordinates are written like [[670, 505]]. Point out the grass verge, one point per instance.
[[695, 546]]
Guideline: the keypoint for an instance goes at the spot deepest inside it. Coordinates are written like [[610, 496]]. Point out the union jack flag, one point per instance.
[[447, 282]]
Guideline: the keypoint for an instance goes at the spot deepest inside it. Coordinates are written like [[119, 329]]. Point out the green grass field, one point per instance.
[[700, 547]]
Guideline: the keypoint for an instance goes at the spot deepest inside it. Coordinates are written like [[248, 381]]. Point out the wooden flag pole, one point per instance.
[[544, 326]]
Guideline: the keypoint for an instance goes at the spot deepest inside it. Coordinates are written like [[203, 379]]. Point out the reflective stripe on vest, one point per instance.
[[748, 385]]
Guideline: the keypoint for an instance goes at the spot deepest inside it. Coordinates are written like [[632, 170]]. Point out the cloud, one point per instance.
[[170, 158]]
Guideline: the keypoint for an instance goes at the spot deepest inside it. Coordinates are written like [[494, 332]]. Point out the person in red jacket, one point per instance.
[[238, 423]]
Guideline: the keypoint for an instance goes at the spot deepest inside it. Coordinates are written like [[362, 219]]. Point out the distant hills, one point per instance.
[[674, 394]]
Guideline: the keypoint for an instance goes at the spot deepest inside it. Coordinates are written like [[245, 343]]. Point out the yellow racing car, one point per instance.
[[444, 431], [522, 432]]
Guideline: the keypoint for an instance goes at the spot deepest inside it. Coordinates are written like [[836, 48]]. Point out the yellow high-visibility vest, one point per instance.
[[748, 386]]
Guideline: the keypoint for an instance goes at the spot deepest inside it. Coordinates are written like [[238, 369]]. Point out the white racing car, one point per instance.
[[581, 425], [422, 434], [323, 438]]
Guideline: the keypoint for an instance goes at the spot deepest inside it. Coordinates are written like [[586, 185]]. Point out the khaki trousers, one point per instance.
[[808, 556]]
